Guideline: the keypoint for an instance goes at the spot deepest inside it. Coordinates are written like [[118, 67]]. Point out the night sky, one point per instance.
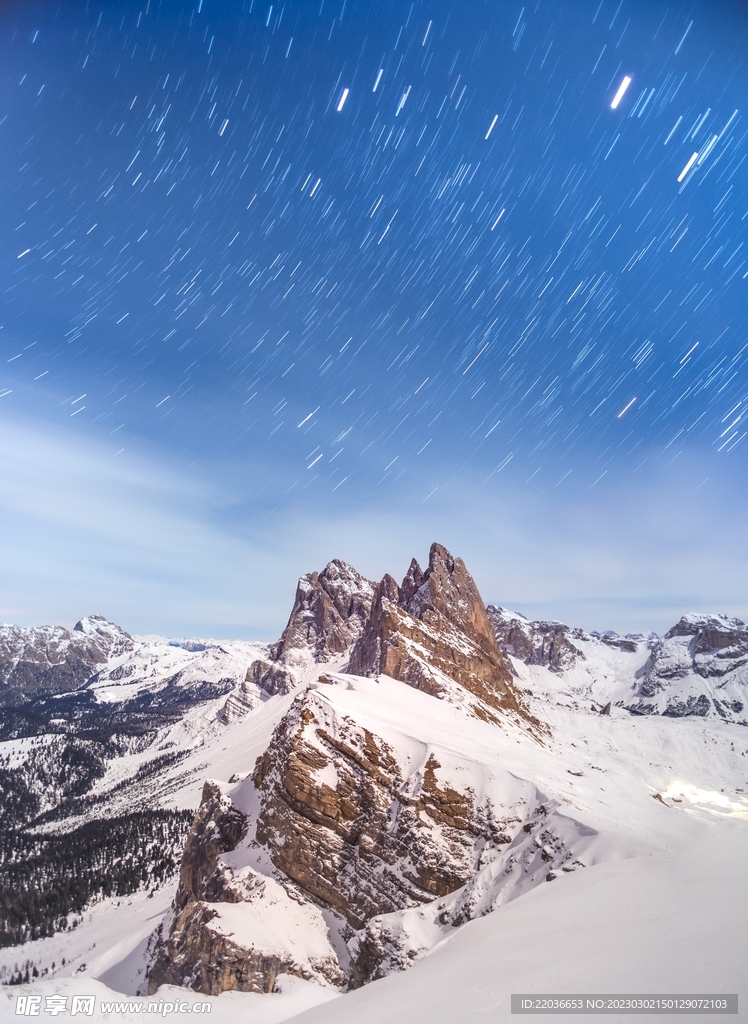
[[313, 279]]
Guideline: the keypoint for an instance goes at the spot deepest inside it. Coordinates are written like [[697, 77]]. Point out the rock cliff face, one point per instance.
[[700, 667], [547, 845], [341, 819], [328, 615], [536, 643], [433, 632], [206, 945], [329, 612], [51, 659], [355, 821]]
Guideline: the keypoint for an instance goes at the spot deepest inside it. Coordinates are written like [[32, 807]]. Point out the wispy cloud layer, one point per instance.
[[128, 537], [186, 552]]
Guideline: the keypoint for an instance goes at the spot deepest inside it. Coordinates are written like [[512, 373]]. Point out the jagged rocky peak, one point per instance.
[[328, 615], [697, 669], [446, 592], [433, 632], [535, 643], [106, 637]]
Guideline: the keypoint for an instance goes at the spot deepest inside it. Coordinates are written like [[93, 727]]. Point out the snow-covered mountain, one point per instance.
[[403, 762], [98, 676], [51, 659], [699, 668]]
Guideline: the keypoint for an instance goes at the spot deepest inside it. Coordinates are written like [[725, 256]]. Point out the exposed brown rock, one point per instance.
[[192, 953], [387, 944], [536, 643], [363, 845], [272, 677], [217, 828], [434, 630], [197, 957], [328, 615]]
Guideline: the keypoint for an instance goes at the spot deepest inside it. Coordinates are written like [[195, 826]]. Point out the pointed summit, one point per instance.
[[448, 592], [433, 633], [328, 615]]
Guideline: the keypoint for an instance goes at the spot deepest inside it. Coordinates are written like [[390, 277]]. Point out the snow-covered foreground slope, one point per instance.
[[665, 922], [105, 957]]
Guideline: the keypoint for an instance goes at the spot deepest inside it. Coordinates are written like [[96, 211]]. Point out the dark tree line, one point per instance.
[[46, 878], [61, 767]]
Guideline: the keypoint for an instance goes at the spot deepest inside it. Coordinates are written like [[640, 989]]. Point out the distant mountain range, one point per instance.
[[96, 677]]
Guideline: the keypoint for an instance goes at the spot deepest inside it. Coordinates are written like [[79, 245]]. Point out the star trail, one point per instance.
[[362, 253]]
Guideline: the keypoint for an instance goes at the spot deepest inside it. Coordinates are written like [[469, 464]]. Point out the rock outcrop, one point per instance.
[[226, 928], [340, 818], [548, 844], [535, 643], [328, 615], [352, 820], [699, 668], [433, 632]]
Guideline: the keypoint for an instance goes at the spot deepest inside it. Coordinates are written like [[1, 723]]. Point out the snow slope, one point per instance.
[[661, 923], [699, 668], [158, 666]]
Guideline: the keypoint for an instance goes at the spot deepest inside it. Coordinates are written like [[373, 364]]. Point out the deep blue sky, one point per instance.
[[252, 321]]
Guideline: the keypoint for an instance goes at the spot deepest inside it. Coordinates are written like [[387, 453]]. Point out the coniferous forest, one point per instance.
[[57, 854], [45, 878]]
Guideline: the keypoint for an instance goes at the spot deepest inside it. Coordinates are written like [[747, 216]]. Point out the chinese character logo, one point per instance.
[[83, 1005], [28, 1006], [55, 1004]]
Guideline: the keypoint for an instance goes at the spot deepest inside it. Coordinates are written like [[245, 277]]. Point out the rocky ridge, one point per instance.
[[699, 668], [329, 613], [549, 644], [358, 829], [41, 660], [433, 633], [379, 814]]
